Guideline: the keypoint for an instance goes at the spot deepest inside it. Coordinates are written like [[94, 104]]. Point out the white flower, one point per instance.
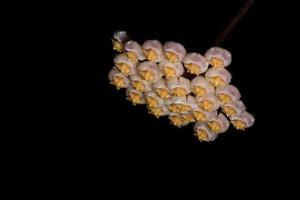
[[161, 89], [219, 124], [228, 94], [172, 107], [195, 63], [188, 117], [200, 87], [174, 51], [139, 84], [171, 70], [209, 103], [184, 104], [203, 133], [233, 108], [153, 100], [179, 87], [118, 79], [134, 51], [149, 71], [218, 57], [134, 96], [242, 121], [178, 120], [124, 64], [159, 111], [203, 115], [153, 50], [119, 38], [218, 77]]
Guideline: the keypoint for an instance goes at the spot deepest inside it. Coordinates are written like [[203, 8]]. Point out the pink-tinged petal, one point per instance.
[[180, 82], [234, 108], [160, 87], [209, 103], [221, 73], [220, 53], [150, 67], [153, 95], [120, 36], [135, 96], [161, 83], [156, 47], [229, 90], [220, 124], [177, 120], [203, 133], [112, 78], [196, 59], [245, 117], [160, 111], [201, 82], [203, 115], [176, 48], [134, 47], [122, 59], [179, 87], [171, 70], [184, 104], [146, 86]]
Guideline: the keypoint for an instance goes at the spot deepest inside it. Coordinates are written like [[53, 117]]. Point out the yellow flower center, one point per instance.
[[216, 62], [119, 82], [193, 68]]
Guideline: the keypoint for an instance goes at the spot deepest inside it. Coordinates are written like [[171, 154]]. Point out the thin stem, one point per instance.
[[233, 22]]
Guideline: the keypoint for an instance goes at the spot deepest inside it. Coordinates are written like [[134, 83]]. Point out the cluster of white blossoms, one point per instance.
[[157, 75]]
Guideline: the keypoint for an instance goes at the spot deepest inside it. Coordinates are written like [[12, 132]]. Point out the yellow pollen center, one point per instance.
[[118, 46], [135, 98], [179, 92], [173, 108], [224, 98], [138, 85], [229, 111], [188, 118], [199, 91], [199, 116], [214, 126], [147, 75], [216, 81], [216, 62], [150, 54], [238, 124], [132, 57], [176, 121], [157, 112], [118, 82], [169, 72], [163, 93], [193, 68], [206, 105], [152, 102], [202, 135], [172, 57], [183, 107], [124, 68]]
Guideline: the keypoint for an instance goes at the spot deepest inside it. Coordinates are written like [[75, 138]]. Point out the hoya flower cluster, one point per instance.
[[185, 87]]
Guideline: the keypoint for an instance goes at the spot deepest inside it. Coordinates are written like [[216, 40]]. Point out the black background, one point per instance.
[[101, 136], [90, 131]]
